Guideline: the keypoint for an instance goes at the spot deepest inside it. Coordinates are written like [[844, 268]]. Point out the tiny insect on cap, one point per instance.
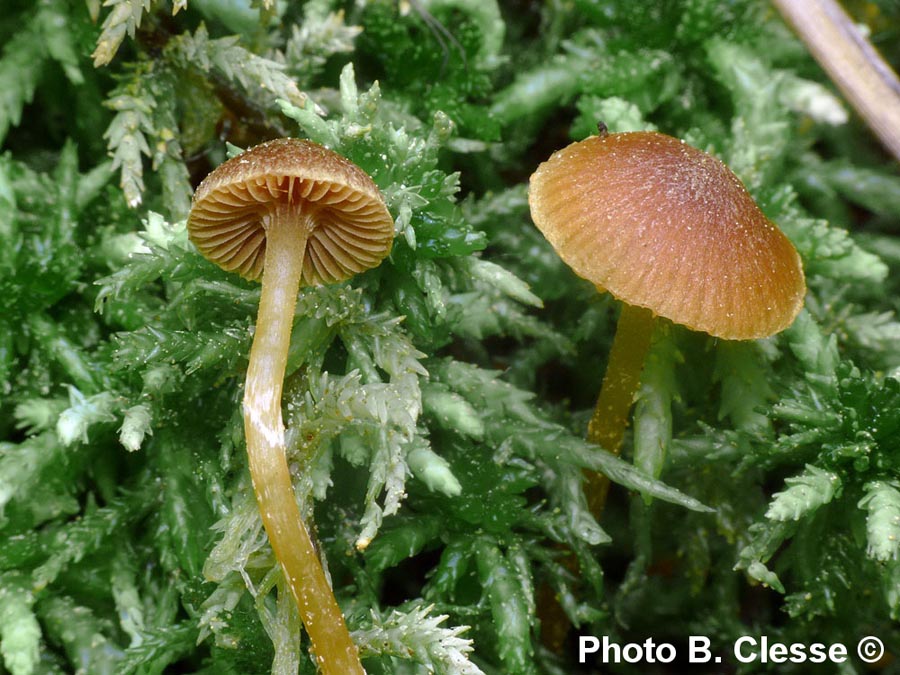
[[663, 225], [353, 229]]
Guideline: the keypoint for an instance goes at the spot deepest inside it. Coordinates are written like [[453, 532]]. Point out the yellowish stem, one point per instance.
[[606, 429], [623, 375], [286, 237]]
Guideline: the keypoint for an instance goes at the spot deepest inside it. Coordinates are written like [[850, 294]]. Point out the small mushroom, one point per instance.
[[670, 231], [290, 212]]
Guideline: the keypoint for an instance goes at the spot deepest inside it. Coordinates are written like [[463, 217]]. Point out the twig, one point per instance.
[[851, 62]]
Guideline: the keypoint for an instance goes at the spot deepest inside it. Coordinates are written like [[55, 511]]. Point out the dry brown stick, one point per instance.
[[852, 63]]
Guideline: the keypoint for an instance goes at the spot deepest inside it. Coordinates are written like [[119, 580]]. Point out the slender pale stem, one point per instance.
[[285, 248], [851, 62], [623, 375], [606, 429]]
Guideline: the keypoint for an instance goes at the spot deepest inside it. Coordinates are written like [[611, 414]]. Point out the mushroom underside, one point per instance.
[[348, 236]]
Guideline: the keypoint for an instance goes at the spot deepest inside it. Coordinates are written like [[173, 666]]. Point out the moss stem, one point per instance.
[[623, 376], [335, 652]]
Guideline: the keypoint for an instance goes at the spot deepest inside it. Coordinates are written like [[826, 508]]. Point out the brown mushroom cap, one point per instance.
[[662, 225], [353, 230]]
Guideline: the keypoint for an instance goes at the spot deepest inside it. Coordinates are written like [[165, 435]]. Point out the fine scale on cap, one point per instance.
[[670, 231]]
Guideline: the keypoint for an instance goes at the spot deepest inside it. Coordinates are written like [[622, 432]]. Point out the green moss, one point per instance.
[[435, 405]]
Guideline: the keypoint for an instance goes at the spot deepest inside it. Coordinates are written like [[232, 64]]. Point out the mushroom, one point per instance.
[[670, 231], [290, 212]]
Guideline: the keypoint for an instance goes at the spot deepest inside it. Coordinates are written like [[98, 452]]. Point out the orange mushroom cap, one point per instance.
[[353, 228], [663, 225]]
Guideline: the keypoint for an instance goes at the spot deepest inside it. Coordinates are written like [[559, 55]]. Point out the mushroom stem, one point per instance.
[[286, 237], [623, 375]]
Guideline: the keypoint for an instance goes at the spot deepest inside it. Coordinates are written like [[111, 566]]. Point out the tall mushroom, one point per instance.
[[290, 212], [670, 231]]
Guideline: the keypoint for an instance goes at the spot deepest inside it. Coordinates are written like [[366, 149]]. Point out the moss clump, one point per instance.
[[436, 405]]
